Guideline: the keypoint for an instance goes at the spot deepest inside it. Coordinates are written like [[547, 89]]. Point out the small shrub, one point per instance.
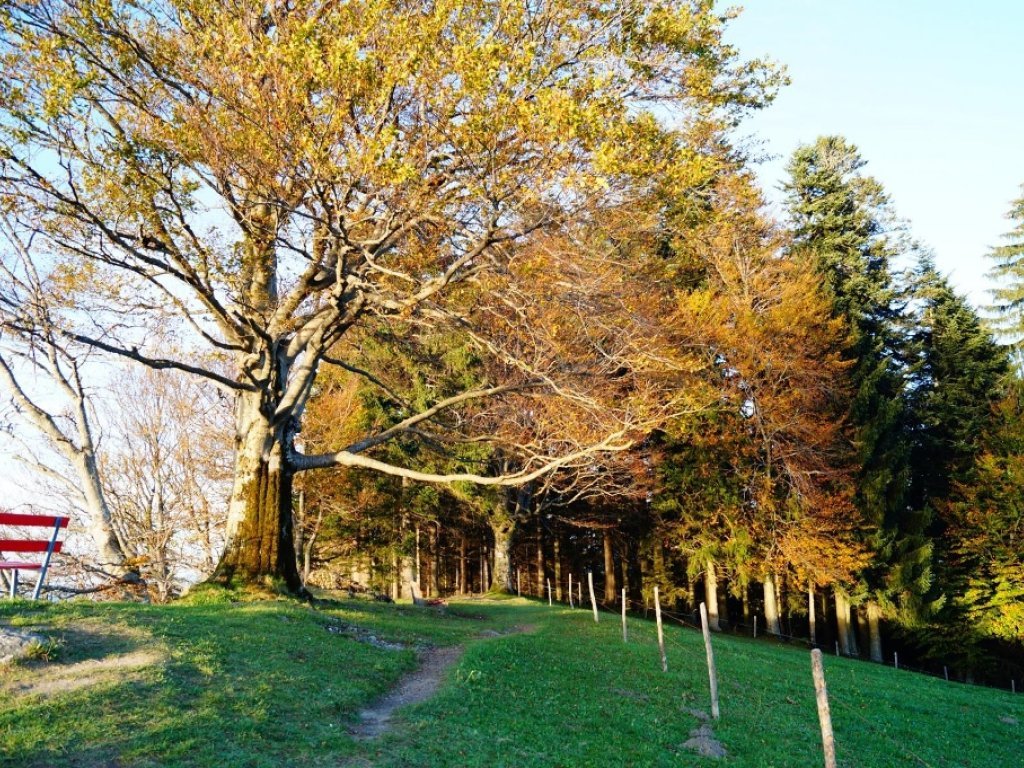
[[44, 650]]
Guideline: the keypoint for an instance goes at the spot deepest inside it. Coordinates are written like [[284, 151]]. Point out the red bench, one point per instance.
[[22, 545]]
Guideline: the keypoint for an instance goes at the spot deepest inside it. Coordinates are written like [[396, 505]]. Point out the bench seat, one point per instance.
[[45, 547]]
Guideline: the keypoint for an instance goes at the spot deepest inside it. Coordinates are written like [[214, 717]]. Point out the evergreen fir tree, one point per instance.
[[1007, 308], [985, 539], [842, 219], [965, 470], [957, 375]]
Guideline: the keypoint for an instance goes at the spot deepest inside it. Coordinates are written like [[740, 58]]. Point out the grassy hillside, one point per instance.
[[279, 684]]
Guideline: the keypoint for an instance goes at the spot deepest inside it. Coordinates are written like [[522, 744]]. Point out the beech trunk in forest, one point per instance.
[[771, 607], [843, 628], [504, 577], [435, 560], [874, 616], [556, 564], [541, 573], [812, 622], [711, 596], [610, 586]]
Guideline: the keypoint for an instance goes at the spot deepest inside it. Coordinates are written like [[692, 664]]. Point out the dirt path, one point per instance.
[[415, 687], [375, 721]]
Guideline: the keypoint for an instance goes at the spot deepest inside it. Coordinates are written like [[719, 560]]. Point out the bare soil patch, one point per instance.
[[415, 687], [51, 679], [702, 741], [87, 654]]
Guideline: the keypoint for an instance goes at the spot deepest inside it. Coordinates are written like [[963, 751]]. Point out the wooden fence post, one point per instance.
[[755, 626], [519, 583], [895, 660], [712, 674], [593, 600], [945, 671], [661, 636], [579, 593], [570, 591], [625, 636], [828, 742]]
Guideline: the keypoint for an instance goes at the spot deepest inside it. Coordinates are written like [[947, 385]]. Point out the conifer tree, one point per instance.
[[957, 375], [985, 539], [1007, 308], [963, 469], [841, 218]]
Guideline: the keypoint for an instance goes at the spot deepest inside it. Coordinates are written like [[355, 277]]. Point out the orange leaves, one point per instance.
[[786, 480]]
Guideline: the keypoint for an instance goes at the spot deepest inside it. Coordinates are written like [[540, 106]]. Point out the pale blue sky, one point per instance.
[[931, 92]]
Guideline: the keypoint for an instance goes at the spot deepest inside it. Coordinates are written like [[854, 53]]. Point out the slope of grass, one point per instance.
[[277, 684]]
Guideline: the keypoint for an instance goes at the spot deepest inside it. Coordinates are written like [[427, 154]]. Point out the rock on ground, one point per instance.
[[14, 645]]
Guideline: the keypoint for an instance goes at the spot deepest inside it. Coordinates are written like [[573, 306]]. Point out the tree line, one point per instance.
[[490, 289]]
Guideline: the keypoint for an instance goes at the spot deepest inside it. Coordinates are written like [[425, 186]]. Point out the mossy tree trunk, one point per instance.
[[260, 543], [503, 527]]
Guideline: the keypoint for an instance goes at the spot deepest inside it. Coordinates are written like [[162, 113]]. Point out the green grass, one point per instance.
[[267, 684]]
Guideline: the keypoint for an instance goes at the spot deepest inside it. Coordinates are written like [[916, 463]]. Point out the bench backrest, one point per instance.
[[50, 522]]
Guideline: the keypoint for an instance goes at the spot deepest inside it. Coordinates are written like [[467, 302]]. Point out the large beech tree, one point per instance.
[[265, 177]]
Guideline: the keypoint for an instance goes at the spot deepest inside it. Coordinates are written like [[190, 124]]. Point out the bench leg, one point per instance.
[[46, 560], [14, 583]]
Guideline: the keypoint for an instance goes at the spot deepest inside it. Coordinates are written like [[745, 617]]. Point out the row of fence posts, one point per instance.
[[817, 667], [657, 611]]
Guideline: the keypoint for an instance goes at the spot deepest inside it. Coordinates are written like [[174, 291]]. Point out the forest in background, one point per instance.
[[482, 294]]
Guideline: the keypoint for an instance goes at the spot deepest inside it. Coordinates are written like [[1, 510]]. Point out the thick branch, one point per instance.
[[611, 444]]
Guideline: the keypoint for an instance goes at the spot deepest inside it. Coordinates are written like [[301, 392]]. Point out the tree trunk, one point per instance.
[[418, 568], [843, 629], [110, 553], [557, 564], [486, 579], [110, 549], [396, 576], [812, 622], [504, 576], [771, 607], [463, 564], [259, 541], [610, 587], [780, 604], [634, 576], [541, 570], [435, 560], [723, 603], [658, 561], [711, 596], [874, 612]]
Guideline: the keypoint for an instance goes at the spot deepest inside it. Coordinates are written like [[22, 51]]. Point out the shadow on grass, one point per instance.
[[252, 685]]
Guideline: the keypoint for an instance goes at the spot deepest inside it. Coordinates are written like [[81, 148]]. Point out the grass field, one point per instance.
[[276, 683]]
